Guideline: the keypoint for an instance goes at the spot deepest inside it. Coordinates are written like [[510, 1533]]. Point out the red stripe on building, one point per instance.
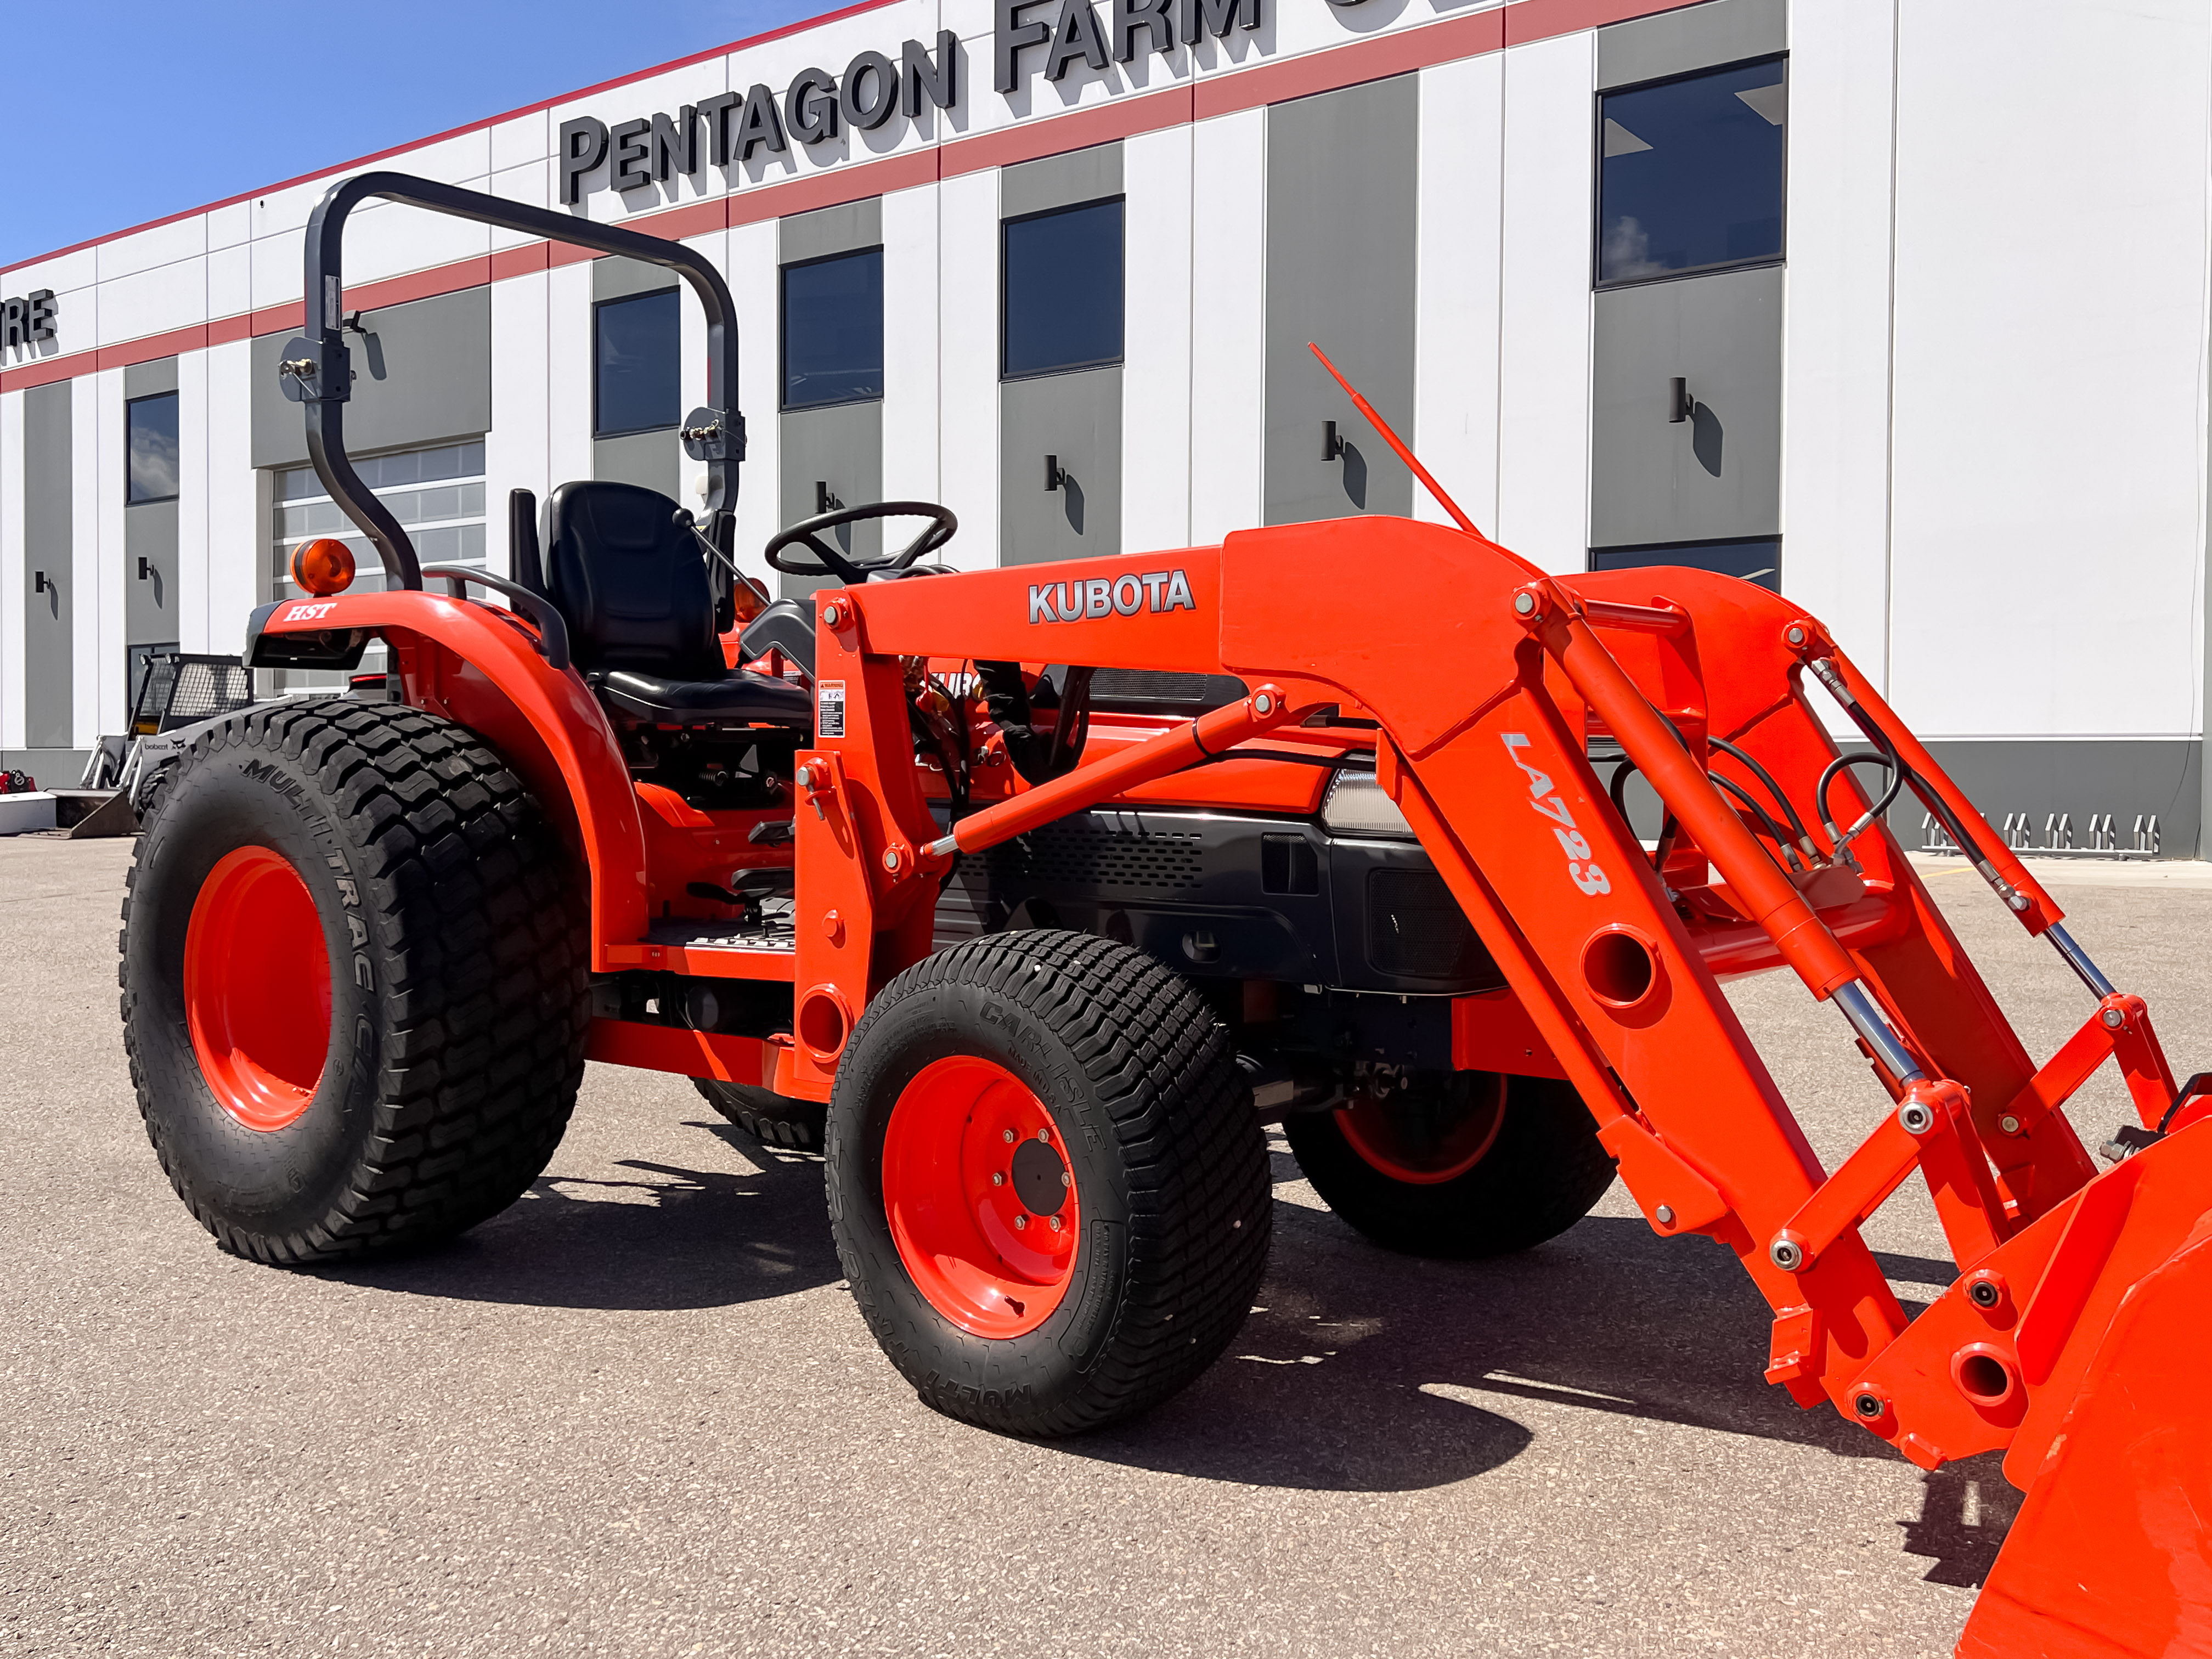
[[823, 190], [1544, 19], [47, 370], [519, 261], [146, 349], [1102, 123]]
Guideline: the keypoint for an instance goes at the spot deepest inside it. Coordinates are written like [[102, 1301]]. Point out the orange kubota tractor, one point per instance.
[[1311, 831]]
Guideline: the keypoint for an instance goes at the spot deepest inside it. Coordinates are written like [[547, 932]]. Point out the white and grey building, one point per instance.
[[1899, 305]]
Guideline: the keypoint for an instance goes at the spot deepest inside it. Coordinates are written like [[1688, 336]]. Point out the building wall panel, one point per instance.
[[1228, 335], [2049, 545], [517, 446], [49, 519], [1455, 413], [1544, 365], [967, 230], [193, 478], [1076, 421], [1342, 173], [752, 279], [14, 588], [237, 527], [1836, 324], [911, 430], [149, 250], [87, 569], [1156, 373], [423, 375], [110, 703]]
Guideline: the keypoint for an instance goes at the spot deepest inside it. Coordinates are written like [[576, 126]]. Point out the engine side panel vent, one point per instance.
[[1075, 854]]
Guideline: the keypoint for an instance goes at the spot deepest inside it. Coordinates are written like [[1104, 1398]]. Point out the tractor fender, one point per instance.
[[482, 666]]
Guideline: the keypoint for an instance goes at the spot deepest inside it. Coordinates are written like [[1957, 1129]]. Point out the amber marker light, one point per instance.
[[323, 567]]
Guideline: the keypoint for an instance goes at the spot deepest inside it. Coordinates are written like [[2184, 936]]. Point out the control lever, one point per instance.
[[758, 601]]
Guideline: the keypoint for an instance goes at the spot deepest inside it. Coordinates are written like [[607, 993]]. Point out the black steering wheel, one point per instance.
[[854, 572]]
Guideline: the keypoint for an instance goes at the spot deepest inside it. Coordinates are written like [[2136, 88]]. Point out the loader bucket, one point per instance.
[[2112, 1553]]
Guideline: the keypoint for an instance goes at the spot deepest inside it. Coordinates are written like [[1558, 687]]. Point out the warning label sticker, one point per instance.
[[830, 710]]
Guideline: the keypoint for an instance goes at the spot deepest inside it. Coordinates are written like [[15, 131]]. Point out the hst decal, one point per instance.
[[1543, 800], [1110, 596], [309, 612]]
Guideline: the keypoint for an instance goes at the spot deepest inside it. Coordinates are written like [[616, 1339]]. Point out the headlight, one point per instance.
[[1356, 805]]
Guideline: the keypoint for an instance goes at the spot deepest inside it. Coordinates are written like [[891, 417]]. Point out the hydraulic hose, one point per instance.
[[1898, 773]]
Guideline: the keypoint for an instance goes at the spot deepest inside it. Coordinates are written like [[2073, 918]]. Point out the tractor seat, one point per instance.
[[631, 584]]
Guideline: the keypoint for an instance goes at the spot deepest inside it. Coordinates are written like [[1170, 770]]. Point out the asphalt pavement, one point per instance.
[[638, 1414]]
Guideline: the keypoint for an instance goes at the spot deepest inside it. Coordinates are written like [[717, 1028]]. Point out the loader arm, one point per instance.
[[1489, 681]]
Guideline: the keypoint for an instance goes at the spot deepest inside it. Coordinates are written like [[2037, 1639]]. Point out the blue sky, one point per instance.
[[135, 111]]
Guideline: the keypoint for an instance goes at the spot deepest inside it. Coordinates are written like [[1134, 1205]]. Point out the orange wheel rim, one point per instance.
[[257, 989], [1422, 1142], [982, 1203]]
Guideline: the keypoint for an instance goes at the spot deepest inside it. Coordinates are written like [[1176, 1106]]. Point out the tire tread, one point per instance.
[[480, 940], [1199, 1198]]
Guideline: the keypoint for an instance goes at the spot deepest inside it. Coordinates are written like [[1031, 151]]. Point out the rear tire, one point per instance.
[[1124, 1119], [353, 982], [787, 1125], [1490, 1165]]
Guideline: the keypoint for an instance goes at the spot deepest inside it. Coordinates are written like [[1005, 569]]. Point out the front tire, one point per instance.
[[1049, 1187], [353, 982], [1461, 1165]]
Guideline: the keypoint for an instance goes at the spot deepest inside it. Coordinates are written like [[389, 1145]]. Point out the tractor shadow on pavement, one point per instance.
[[1360, 1370], [652, 1239]]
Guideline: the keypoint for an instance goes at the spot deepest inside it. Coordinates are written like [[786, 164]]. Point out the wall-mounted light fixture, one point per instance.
[[1681, 406], [39, 582], [1332, 442], [825, 499], [1055, 475]]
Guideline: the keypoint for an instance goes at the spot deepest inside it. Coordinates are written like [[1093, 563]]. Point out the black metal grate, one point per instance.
[[1082, 855], [207, 686], [1146, 690], [1416, 929], [180, 687]]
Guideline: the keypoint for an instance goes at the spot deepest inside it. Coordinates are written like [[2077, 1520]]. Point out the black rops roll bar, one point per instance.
[[317, 368]]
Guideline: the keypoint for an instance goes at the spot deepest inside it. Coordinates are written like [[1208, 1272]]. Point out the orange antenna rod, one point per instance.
[[1396, 443]]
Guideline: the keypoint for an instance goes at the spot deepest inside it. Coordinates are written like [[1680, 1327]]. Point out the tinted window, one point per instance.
[[1063, 285], [832, 330], [151, 425], [639, 342], [1758, 560], [1691, 176]]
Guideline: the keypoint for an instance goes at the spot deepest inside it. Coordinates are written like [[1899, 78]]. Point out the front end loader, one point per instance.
[[1032, 892]]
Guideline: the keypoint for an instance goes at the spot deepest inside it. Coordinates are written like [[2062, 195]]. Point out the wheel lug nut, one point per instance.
[[1066, 1179], [998, 1178], [1020, 1222], [1009, 1135], [1055, 1223], [1045, 1135]]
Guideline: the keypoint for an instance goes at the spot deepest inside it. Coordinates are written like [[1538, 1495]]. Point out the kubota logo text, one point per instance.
[[308, 612], [1581, 870], [1110, 596]]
